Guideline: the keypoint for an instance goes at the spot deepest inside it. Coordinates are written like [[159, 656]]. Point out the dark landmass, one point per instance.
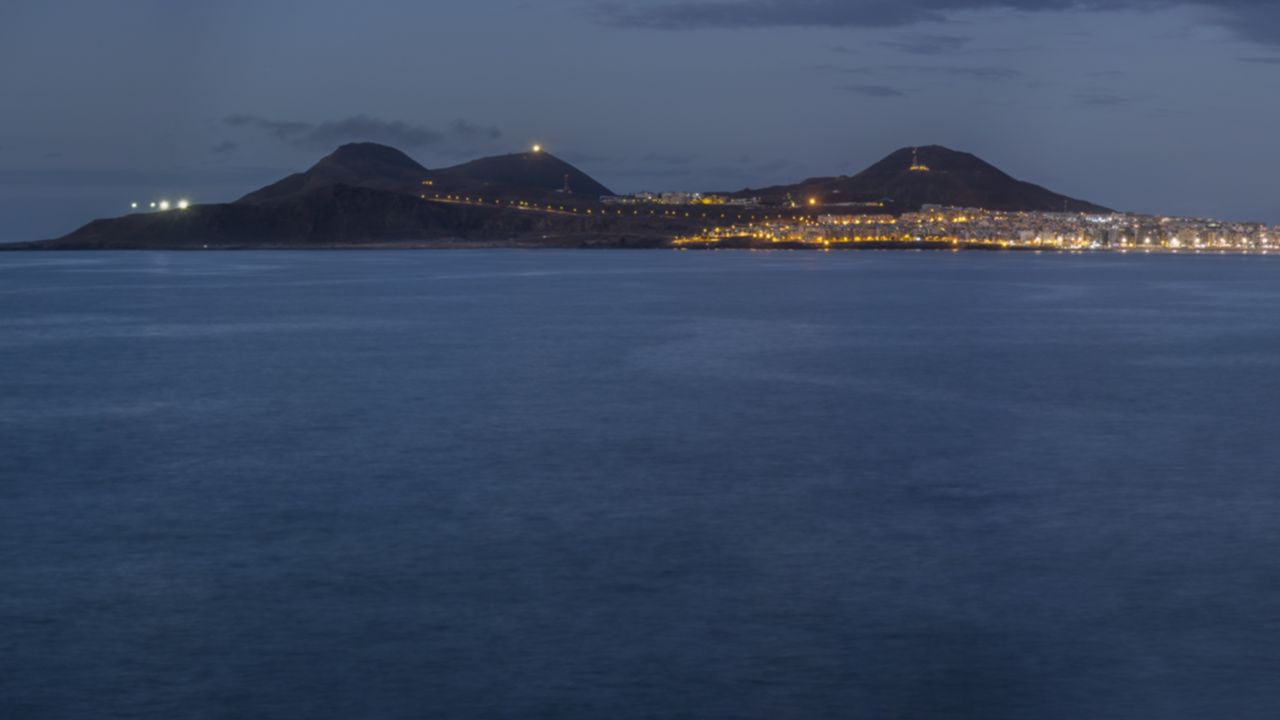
[[370, 195], [530, 171], [945, 177], [366, 165], [345, 215]]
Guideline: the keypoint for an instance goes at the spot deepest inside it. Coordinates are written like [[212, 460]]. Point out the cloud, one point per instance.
[[226, 147], [768, 166], [653, 164], [324, 135], [651, 172], [580, 158], [362, 127], [1101, 99], [472, 131], [82, 178], [928, 44], [877, 91], [1257, 20], [1261, 60], [692, 14], [979, 73], [279, 130], [654, 158]]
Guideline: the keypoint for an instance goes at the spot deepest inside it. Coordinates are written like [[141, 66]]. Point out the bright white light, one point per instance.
[[133, 206], [537, 148], [164, 204], [184, 204], [153, 206]]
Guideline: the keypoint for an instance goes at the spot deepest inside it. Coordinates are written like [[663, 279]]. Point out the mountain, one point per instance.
[[365, 194], [367, 165], [932, 175], [540, 170], [370, 165], [324, 215], [340, 215]]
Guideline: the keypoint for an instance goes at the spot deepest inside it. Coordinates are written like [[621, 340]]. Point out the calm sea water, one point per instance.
[[639, 485]]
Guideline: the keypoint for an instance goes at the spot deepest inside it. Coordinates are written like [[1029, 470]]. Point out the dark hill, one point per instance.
[[340, 215], [369, 194], [531, 170], [358, 164], [931, 175]]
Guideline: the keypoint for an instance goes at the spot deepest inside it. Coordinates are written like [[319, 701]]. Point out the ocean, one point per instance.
[[647, 484]]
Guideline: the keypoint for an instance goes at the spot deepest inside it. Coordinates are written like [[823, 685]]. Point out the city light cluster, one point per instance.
[[971, 227]]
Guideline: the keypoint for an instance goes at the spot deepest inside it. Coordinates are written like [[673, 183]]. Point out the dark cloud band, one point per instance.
[[360, 127], [1257, 20]]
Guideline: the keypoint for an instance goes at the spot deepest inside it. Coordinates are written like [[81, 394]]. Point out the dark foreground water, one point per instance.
[[639, 485]]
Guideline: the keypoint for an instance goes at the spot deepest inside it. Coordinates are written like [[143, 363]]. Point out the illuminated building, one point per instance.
[[916, 165]]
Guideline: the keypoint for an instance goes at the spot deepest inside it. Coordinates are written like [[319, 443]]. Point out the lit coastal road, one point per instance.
[[508, 204], [570, 211]]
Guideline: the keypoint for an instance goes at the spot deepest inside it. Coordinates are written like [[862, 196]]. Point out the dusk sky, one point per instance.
[[1146, 105]]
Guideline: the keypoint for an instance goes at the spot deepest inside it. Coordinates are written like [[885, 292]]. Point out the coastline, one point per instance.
[[457, 244]]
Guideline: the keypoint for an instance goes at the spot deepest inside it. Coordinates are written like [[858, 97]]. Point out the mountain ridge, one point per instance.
[[535, 169], [912, 177], [364, 194], [364, 164]]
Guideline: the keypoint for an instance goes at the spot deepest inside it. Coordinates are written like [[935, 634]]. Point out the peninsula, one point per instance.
[[366, 195]]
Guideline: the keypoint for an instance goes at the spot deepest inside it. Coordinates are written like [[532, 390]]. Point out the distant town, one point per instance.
[[815, 222], [977, 228], [748, 221], [369, 195]]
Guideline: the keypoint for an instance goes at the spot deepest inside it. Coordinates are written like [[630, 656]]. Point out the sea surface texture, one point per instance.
[[620, 485]]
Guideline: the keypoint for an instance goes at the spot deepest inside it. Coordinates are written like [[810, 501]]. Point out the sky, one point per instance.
[[1156, 106]]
